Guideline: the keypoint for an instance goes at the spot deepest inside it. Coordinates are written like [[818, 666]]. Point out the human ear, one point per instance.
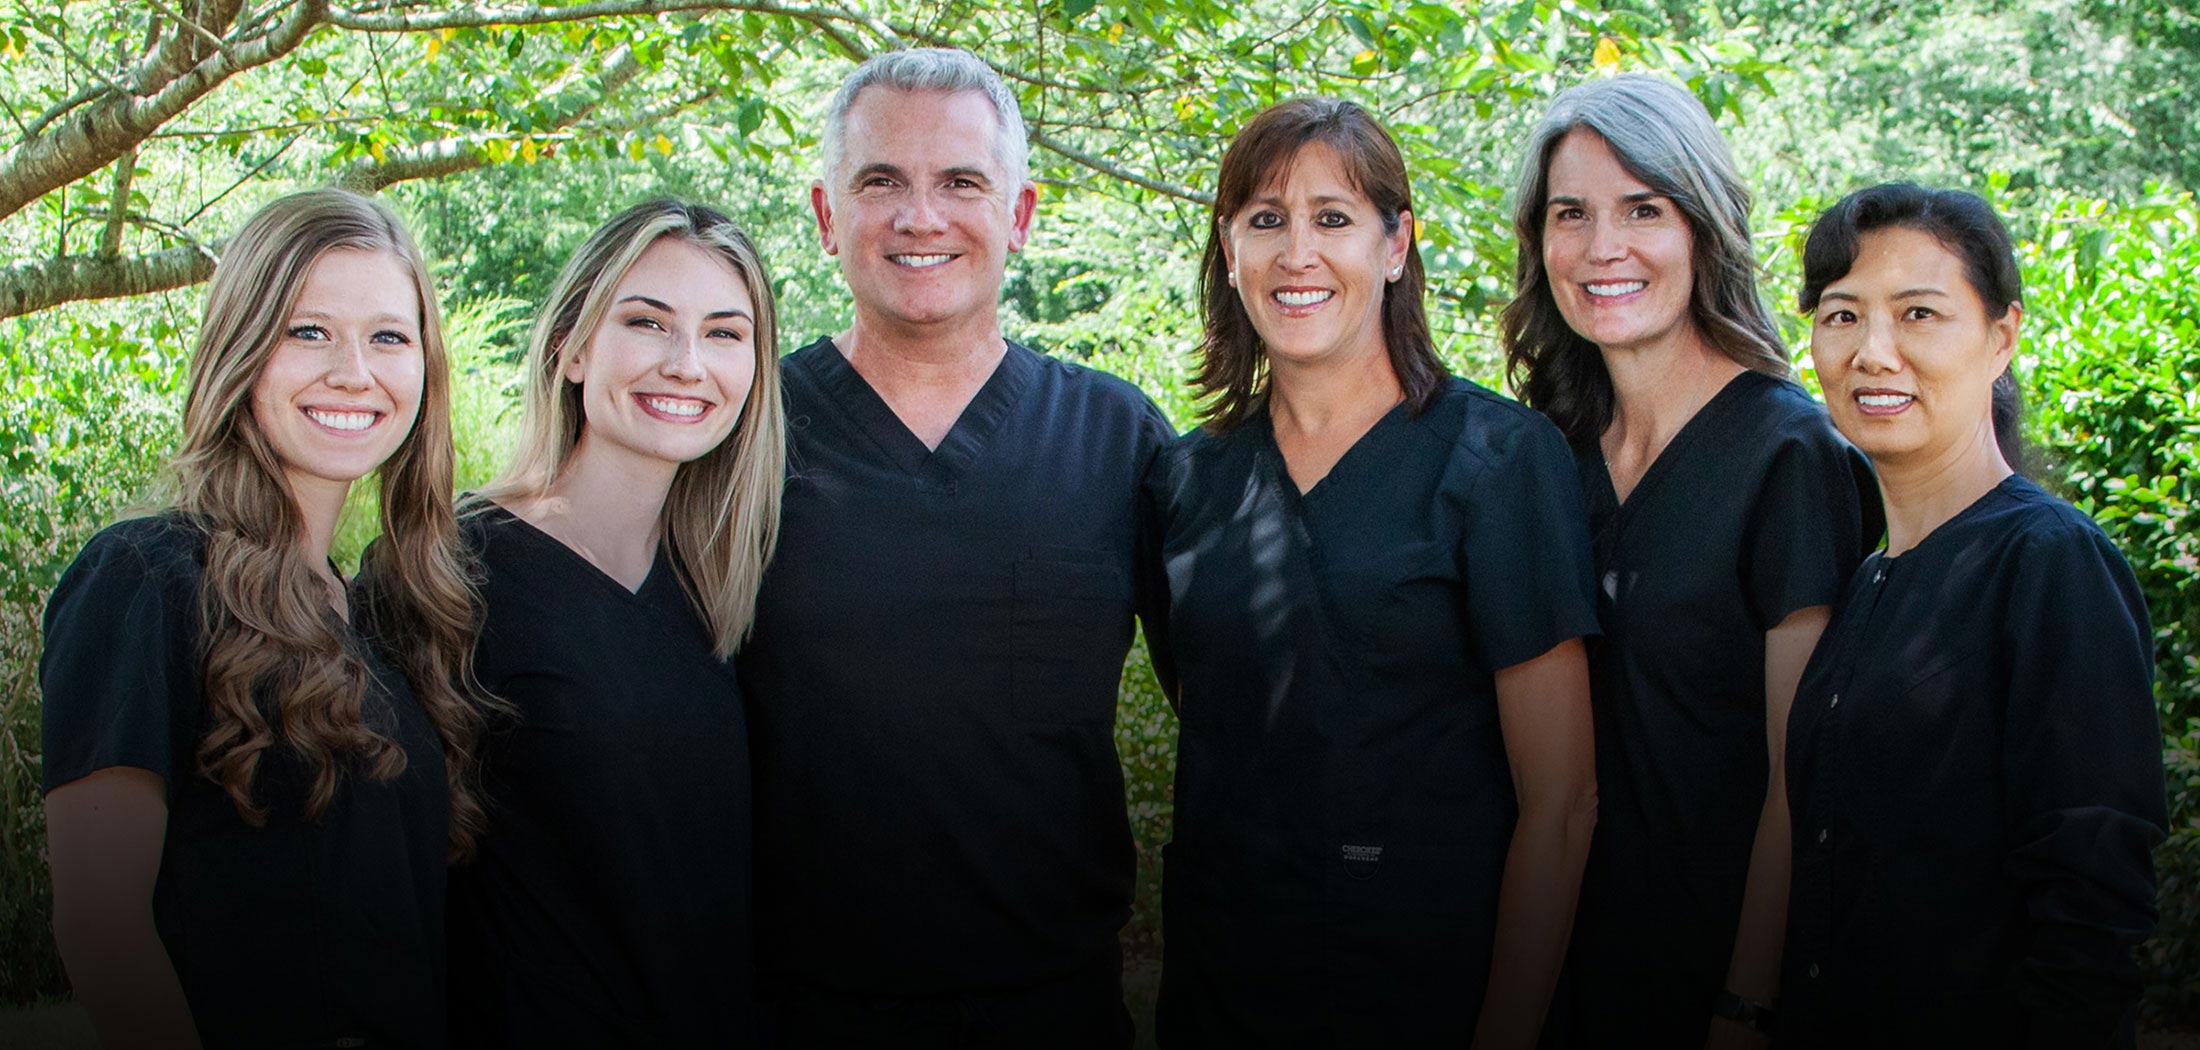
[[821, 204]]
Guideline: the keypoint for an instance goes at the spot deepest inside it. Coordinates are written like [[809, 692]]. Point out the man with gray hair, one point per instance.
[[942, 852]]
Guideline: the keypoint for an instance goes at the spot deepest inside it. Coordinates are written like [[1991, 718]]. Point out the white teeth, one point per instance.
[[341, 420], [920, 260], [1616, 287], [676, 406], [1303, 298], [1884, 400]]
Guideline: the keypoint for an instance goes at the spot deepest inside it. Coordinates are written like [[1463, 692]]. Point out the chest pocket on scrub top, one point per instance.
[[1071, 609]]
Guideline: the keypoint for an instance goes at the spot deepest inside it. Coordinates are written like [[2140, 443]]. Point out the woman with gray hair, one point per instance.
[[1726, 513]]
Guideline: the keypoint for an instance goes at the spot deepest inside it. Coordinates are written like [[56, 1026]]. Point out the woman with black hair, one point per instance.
[[1973, 763]]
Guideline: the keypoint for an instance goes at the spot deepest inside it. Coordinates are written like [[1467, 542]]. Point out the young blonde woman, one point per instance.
[[249, 806], [609, 905]]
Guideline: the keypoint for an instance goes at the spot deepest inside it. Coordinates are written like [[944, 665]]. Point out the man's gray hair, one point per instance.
[[942, 69]]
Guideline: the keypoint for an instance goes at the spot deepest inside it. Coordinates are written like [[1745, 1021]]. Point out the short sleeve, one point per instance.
[[1531, 583], [1814, 516], [2082, 768], [120, 672]]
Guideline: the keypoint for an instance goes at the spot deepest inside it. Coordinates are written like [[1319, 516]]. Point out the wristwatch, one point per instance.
[[1749, 1013]]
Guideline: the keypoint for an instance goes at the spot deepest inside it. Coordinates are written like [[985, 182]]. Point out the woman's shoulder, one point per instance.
[[165, 549], [2040, 521], [1488, 428]]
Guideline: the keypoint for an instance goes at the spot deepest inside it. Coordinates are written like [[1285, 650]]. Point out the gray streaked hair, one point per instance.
[[1663, 137], [943, 69]]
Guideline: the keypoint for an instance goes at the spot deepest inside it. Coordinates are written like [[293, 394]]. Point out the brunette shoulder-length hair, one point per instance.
[[278, 667], [722, 515], [1663, 137], [1233, 367]]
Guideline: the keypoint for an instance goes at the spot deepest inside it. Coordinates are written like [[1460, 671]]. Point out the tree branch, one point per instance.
[[168, 59], [482, 16], [118, 206], [1119, 172], [464, 153], [96, 135], [39, 285]]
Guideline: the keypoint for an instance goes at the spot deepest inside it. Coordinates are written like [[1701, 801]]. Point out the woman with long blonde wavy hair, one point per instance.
[[254, 778], [620, 554]]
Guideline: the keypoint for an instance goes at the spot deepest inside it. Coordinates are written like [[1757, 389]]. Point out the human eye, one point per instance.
[[734, 334], [1264, 220], [646, 322], [1646, 211], [392, 337], [1567, 213], [1837, 317], [307, 332], [1333, 219], [1920, 313]]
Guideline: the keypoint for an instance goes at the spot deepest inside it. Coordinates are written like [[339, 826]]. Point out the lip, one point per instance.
[[643, 401], [1328, 295], [930, 260], [1896, 408], [328, 419]]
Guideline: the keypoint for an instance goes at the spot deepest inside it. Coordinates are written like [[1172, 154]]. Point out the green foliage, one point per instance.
[[89, 403], [2114, 336]]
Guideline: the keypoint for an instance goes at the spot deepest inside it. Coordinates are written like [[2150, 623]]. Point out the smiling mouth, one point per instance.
[[1883, 402], [919, 262], [673, 409], [1303, 298], [348, 422], [1613, 289]]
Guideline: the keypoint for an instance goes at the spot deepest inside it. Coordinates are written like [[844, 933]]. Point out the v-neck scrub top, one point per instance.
[[304, 932], [1974, 768], [1755, 509], [933, 677], [1343, 798], [608, 904]]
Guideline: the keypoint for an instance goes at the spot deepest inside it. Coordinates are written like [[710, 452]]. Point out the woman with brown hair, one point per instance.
[[1725, 513], [1378, 581], [620, 554], [249, 804]]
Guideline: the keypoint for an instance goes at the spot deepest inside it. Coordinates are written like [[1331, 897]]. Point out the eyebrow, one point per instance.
[[667, 307], [319, 315], [1906, 293], [1632, 198], [1276, 201]]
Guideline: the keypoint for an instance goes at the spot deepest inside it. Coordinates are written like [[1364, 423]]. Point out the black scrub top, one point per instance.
[[1975, 771], [305, 932], [608, 904], [1343, 799], [1755, 509], [933, 677]]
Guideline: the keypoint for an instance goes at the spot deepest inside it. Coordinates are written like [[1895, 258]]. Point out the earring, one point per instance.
[[1233, 278], [1395, 271]]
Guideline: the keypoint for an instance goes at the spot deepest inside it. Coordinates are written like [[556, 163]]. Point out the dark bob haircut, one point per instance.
[[1968, 228], [1233, 367]]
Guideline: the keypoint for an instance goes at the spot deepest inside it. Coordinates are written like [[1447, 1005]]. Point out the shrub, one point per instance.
[[2114, 337]]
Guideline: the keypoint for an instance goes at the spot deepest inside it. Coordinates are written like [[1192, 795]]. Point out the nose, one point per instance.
[[685, 361], [1607, 241], [919, 215], [1875, 349], [1299, 252], [347, 368]]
